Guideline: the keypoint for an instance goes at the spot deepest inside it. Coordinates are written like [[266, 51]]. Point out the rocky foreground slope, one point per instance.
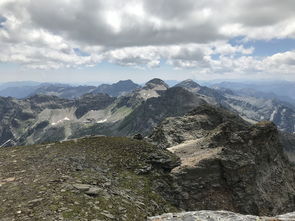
[[96, 178]]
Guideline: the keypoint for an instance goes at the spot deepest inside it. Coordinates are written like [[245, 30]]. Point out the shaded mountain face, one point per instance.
[[172, 102], [92, 102], [251, 107], [227, 164]]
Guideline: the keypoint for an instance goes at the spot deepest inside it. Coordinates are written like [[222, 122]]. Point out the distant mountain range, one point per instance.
[[61, 112], [282, 90], [27, 89]]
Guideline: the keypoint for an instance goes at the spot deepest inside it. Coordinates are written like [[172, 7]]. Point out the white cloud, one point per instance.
[[183, 33]]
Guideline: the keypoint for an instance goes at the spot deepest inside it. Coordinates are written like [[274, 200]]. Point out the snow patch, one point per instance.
[[60, 121], [101, 121], [272, 116]]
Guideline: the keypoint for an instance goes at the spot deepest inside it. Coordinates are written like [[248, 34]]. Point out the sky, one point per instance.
[[79, 41]]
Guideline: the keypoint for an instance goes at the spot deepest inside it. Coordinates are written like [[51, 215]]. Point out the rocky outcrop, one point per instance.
[[218, 216], [193, 125], [227, 163]]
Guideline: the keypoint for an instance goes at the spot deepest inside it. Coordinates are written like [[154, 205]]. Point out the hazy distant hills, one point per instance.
[[18, 84], [63, 90], [282, 90], [60, 112], [26, 89]]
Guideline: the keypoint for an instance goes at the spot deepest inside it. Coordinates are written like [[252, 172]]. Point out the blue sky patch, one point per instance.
[[2, 21], [266, 48], [81, 53]]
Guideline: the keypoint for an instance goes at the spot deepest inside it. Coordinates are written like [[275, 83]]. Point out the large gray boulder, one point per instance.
[[218, 216]]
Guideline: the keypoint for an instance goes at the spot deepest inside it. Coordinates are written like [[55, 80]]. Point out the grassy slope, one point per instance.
[[38, 182]]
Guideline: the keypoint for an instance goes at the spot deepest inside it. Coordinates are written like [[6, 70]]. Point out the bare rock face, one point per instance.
[[218, 216], [288, 141], [196, 124], [227, 164]]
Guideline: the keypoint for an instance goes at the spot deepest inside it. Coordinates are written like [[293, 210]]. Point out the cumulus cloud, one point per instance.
[[183, 33]]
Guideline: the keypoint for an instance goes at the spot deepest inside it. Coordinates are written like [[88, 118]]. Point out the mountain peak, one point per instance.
[[156, 82], [117, 89], [128, 81], [189, 83]]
